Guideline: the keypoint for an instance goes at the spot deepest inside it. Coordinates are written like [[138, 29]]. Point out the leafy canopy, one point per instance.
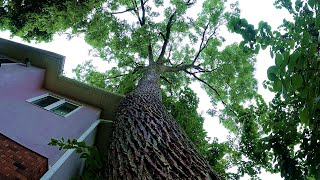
[[287, 138], [183, 43]]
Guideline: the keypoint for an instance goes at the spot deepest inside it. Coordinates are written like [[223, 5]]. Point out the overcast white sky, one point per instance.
[[76, 52]]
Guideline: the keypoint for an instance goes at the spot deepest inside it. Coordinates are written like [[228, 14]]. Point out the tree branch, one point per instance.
[[143, 19], [135, 70], [117, 76], [150, 54], [136, 11], [162, 35], [202, 41], [176, 68], [203, 71], [167, 37], [165, 79], [120, 12], [212, 88], [168, 31], [182, 68], [202, 44]]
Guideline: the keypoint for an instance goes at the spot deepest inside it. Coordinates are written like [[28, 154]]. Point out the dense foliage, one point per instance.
[[284, 136]]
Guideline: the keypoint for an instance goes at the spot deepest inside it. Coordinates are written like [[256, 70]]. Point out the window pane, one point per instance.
[[46, 101], [64, 109]]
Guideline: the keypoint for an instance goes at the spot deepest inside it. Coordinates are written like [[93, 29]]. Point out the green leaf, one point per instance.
[[277, 85], [293, 60], [304, 92], [279, 59], [317, 22], [304, 116], [305, 39], [296, 81], [311, 3], [286, 56], [313, 49], [271, 73], [272, 77], [257, 49], [271, 54], [243, 22]]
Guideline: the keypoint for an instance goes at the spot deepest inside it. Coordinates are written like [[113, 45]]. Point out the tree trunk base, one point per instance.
[[148, 144]]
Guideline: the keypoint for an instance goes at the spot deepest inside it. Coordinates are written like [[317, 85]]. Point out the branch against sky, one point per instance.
[[136, 33]]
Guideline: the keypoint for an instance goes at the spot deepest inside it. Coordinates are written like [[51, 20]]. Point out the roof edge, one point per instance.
[[56, 82]]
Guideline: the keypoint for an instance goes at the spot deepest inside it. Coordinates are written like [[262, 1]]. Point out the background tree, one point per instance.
[[288, 135], [149, 40]]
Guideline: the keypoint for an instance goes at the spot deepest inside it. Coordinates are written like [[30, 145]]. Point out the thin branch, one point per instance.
[[167, 60], [124, 11], [165, 79], [168, 30], [135, 70], [203, 71], [180, 67], [176, 68], [202, 41], [212, 88], [190, 3], [150, 52], [170, 51], [167, 36], [142, 21], [136, 11], [204, 45], [143, 18], [162, 35], [117, 76]]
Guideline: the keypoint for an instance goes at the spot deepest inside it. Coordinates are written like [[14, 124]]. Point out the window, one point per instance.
[[64, 109], [46, 101], [55, 104]]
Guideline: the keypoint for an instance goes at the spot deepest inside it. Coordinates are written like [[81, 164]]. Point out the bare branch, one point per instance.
[[167, 37], [212, 88]]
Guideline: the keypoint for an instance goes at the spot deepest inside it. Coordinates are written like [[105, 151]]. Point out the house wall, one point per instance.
[[32, 126], [70, 165], [56, 82]]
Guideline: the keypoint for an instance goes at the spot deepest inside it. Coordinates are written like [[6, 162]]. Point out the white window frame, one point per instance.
[[54, 105]]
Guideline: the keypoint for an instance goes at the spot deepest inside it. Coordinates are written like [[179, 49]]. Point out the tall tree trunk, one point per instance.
[[147, 142]]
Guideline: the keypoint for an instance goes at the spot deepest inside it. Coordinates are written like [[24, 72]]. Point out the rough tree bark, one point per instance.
[[147, 143]]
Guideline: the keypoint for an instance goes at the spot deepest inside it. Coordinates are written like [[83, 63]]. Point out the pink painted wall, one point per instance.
[[30, 125]]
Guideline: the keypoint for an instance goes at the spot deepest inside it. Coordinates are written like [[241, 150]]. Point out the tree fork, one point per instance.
[[148, 143]]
